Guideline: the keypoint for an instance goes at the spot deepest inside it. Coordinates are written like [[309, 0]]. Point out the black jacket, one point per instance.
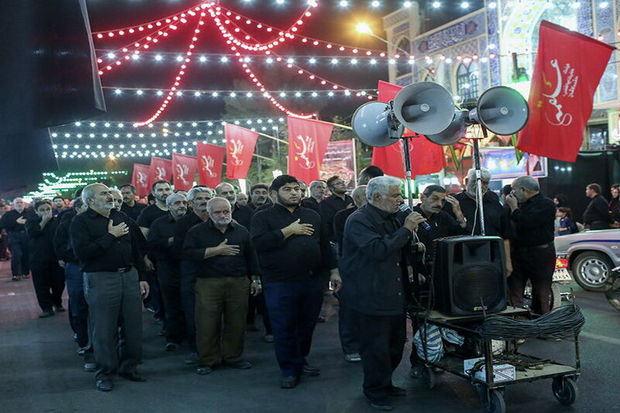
[[328, 209], [9, 221], [157, 241], [41, 241], [372, 265], [597, 214], [243, 215], [62, 241]]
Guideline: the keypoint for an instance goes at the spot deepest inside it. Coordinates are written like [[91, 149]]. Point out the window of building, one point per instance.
[[467, 81]]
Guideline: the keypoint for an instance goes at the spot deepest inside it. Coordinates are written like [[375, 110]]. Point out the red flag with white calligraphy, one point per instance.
[[140, 179], [160, 170], [307, 144], [426, 157], [184, 170], [568, 70], [240, 144], [210, 160]]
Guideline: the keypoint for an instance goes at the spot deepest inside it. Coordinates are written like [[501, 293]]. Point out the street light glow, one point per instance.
[[363, 27]]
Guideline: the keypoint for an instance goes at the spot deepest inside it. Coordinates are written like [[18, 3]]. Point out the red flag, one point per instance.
[[210, 160], [184, 169], [140, 179], [240, 143], [160, 169], [426, 156], [568, 69], [307, 143]]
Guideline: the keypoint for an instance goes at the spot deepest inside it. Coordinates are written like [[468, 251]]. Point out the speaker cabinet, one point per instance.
[[468, 275]]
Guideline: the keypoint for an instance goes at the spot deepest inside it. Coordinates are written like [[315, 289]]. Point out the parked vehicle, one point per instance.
[[590, 256], [613, 293]]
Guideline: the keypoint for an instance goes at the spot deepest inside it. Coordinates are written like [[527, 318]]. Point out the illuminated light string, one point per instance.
[[240, 94], [59, 135], [179, 124], [139, 28], [177, 81]]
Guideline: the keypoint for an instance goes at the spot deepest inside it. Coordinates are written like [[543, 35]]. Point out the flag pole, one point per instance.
[[339, 125]]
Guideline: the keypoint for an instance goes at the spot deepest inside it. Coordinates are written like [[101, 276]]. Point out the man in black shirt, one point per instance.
[[130, 206], [241, 214], [317, 193], [533, 252], [47, 275], [160, 243], [293, 251], [374, 272], [14, 223], [338, 201], [597, 214], [227, 261], [108, 244], [58, 204], [197, 214]]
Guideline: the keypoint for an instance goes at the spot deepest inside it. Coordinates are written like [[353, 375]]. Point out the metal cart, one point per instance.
[[564, 377]]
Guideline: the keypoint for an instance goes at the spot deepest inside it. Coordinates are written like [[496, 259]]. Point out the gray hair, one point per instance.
[[219, 187], [88, 192], [526, 182], [381, 185], [358, 194], [485, 175], [215, 200], [174, 198], [315, 183], [198, 189], [118, 191]]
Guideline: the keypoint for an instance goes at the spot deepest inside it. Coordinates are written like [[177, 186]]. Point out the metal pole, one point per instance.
[[479, 182], [408, 171]]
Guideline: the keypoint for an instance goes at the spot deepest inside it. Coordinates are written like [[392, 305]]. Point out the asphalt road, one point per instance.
[[40, 372]]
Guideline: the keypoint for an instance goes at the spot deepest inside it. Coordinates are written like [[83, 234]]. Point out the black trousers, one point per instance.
[[169, 276], [382, 339], [18, 245], [347, 327], [49, 283], [188, 300], [537, 265], [256, 304]]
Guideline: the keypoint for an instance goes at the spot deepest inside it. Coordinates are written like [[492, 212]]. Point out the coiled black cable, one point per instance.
[[564, 322]]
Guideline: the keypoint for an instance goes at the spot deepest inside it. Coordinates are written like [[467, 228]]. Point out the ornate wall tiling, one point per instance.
[[585, 24], [484, 64], [451, 35], [608, 88], [396, 31], [493, 35]]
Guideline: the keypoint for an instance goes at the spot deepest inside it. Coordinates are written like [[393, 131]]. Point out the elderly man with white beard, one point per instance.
[[227, 261]]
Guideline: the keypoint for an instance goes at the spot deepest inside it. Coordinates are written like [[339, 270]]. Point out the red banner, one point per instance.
[[308, 140], [210, 160], [240, 143], [184, 169], [568, 69], [140, 179], [160, 169], [426, 156]]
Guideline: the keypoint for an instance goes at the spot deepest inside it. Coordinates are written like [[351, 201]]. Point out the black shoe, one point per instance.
[[104, 385], [203, 370], [90, 366], [15, 278], [239, 364], [46, 314], [132, 376], [171, 346], [289, 382], [321, 319], [380, 404], [396, 391], [308, 370], [191, 358], [59, 309]]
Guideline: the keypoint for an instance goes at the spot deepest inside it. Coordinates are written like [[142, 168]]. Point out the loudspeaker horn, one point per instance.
[[371, 124], [454, 132], [424, 107], [502, 110]]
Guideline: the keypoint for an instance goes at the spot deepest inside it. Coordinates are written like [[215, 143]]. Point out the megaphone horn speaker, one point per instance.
[[502, 110], [424, 107], [370, 123], [454, 132]]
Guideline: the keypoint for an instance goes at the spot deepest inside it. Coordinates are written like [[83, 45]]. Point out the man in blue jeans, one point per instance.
[[293, 250]]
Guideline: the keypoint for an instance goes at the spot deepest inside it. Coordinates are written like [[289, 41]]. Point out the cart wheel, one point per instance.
[[496, 403], [428, 375], [565, 390]]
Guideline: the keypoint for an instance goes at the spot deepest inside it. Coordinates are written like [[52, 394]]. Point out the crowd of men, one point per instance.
[[207, 260]]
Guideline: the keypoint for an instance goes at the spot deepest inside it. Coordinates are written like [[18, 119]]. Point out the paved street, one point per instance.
[[40, 372]]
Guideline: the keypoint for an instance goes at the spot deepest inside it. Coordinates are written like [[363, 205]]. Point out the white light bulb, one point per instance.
[[179, 58], [223, 59], [375, 4], [159, 58], [343, 3], [118, 92], [203, 59], [465, 5], [436, 4]]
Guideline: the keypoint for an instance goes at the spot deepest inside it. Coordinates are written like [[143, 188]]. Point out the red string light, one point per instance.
[[177, 80]]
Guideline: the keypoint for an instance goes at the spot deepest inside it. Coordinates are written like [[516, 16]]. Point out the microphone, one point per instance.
[[404, 207]]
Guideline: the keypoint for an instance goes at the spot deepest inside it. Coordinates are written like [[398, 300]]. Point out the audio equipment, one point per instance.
[[371, 123], [501, 110], [468, 275], [426, 108]]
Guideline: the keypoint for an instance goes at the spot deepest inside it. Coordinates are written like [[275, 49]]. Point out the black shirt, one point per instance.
[[614, 209], [62, 242], [134, 211], [9, 221], [41, 241], [157, 241], [299, 256], [339, 220], [597, 213], [206, 235], [149, 215], [242, 214], [329, 207], [311, 203], [181, 229], [99, 251], [496, 222], [534, 222]]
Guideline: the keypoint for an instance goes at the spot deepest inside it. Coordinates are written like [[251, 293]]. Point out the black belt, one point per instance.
[[124, 269]]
